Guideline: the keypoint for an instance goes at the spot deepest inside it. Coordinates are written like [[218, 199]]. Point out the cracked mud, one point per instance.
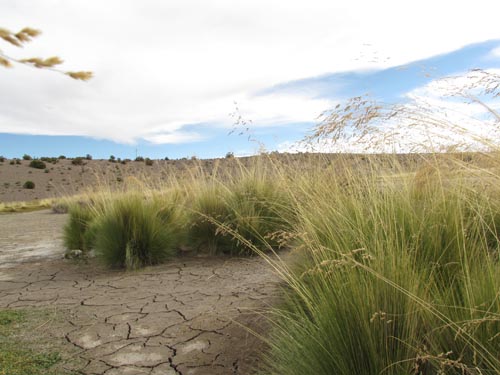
[[189, 316]]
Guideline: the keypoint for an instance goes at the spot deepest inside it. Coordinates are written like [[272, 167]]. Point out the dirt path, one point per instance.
[[184, 317]]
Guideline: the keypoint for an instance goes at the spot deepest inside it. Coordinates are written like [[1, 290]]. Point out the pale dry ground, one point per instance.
[[190, 316]]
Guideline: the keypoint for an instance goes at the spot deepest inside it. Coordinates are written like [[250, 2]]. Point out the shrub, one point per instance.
[[229, 155], [134, 232], [88, 157], [148, 162], [27, 157], [2, 159], [12, 162], [62, 157], [38, 164], [77, 161], [29, 185], [112, 159], [49, 159], [18, 161], [139, 158]]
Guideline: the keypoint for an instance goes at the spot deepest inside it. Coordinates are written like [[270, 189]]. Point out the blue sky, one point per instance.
[[388, 85], [167, 86]]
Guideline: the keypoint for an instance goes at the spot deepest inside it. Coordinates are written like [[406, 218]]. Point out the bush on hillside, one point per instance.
[[77, 161], [29, 185], [37, 164]]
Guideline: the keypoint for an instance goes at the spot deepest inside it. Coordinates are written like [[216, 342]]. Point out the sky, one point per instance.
[[182, 78]]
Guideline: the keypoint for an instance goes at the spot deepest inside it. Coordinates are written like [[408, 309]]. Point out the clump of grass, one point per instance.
[[79, 232], [389, 281], [396, 272], [134, 232], [210, 209], [236, 217]]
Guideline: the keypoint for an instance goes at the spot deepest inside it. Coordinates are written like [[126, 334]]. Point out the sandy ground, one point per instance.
[[190, 316]]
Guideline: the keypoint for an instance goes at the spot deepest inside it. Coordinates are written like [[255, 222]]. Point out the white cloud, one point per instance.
[[495, 52], [161, 65]]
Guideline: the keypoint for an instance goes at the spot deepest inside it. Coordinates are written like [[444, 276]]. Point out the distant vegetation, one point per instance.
[[29, 185], [37, 164]]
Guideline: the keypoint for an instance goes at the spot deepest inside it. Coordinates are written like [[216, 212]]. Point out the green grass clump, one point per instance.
[[134, 232], [79, 231], [239, 217], [210, 210], [391, 278]]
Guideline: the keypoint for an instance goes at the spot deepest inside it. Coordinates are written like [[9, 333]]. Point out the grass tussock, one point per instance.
[[394, 276], [134, 232], [240, 216]]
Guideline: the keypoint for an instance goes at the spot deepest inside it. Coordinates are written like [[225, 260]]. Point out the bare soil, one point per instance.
[[190, 316]]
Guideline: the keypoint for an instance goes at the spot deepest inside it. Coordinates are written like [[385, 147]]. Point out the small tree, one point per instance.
[[24, 36]]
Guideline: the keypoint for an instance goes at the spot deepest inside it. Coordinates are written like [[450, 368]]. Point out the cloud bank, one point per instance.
[[161, 66]]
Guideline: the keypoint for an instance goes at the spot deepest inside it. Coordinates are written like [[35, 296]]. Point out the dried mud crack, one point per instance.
[[190, 316]]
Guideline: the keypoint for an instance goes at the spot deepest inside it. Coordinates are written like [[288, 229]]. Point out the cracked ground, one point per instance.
[[190, 316]]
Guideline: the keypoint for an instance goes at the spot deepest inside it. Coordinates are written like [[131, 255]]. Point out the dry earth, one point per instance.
[[190, 316]]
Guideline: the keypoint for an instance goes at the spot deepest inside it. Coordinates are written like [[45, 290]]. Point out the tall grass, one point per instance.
[[239, 215], [134, 233], [394, 277], [79, 231]]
